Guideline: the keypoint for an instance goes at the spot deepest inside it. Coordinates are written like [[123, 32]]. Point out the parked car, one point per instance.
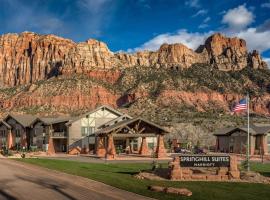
[[182, 150], [199, 151]]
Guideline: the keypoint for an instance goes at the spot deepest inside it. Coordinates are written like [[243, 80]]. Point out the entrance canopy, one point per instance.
[[136, 127]]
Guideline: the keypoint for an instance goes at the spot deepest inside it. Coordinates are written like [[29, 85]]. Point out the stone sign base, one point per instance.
[[176, 172]]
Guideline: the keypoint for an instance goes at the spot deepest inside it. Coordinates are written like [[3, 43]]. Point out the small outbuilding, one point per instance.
[[234, 139]]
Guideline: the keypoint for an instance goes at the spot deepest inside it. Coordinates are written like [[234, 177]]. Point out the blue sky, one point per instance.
[[132, 25]]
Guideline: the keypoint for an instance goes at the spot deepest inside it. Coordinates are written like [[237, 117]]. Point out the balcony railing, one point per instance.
[[59, 134]]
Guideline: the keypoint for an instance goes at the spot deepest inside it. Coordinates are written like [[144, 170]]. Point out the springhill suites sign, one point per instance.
[[204, 161]]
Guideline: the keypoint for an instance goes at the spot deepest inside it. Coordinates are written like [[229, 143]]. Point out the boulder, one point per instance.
[[171, 190]]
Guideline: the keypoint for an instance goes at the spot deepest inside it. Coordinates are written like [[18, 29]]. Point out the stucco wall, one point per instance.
[[94, 120]]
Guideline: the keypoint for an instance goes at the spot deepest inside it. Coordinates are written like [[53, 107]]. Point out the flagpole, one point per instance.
[[248, 134]]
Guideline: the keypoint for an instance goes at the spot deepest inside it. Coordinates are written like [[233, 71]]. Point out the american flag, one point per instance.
[[242, 105]]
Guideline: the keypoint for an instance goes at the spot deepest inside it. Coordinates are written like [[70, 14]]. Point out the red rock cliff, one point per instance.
[[28, 57]]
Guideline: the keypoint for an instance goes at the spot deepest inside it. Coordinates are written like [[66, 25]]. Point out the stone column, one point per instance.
[[175, 169], [144, 148], [110, 151], [161, 151], [177, 172], [100, 148], [51, 149], [264, 145], [217, 144], [252, 145], [10, 140], [234, 172]]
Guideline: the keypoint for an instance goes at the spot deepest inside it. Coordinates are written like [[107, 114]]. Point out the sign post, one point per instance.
[[224, 166]]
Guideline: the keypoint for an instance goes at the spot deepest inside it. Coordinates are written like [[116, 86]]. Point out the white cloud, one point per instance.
[[266, 5], [204, 23], [193, 3], [207, 19], [201, 26], [27, 17], [93, 6], [200, 13], [267, 60], [238, 18], [96, 14], [191, 40], [255, 40], [144, 4], [264, 27]]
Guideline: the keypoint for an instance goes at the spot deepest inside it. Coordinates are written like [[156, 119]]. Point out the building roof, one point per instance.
[[93, 111], [24, 119], [116, 120], [53, 120], [124, 123], [254, 129], [5, 124]]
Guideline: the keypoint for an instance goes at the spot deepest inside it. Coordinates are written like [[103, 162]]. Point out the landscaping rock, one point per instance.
[[171, 190], [254, 177], [148, 176], [178, 191], [157, 188]]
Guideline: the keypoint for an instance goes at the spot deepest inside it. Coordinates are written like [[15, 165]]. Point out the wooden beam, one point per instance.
[[134, 135], [141, 130], [130, 129]]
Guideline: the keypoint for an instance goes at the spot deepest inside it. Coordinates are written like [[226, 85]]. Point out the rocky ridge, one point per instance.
[[191, 92], [29, 57]]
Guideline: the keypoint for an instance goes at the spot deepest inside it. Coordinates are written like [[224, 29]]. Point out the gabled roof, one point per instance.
[[116, 120], [5, 124], [24, 120], [95, 110], [52, 120], [254, 129], [124, 123], [261, 128]]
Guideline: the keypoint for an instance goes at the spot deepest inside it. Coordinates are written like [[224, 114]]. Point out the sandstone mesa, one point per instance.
[[29, 57]]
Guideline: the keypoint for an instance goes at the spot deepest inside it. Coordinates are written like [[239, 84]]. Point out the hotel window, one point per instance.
[[18, 133], [3, 133], [87, 131]]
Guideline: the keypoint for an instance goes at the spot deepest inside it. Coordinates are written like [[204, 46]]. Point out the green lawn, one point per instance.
[[121, 176]]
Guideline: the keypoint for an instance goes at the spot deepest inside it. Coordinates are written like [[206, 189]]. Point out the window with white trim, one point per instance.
[[85, 131], [3, 133]]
